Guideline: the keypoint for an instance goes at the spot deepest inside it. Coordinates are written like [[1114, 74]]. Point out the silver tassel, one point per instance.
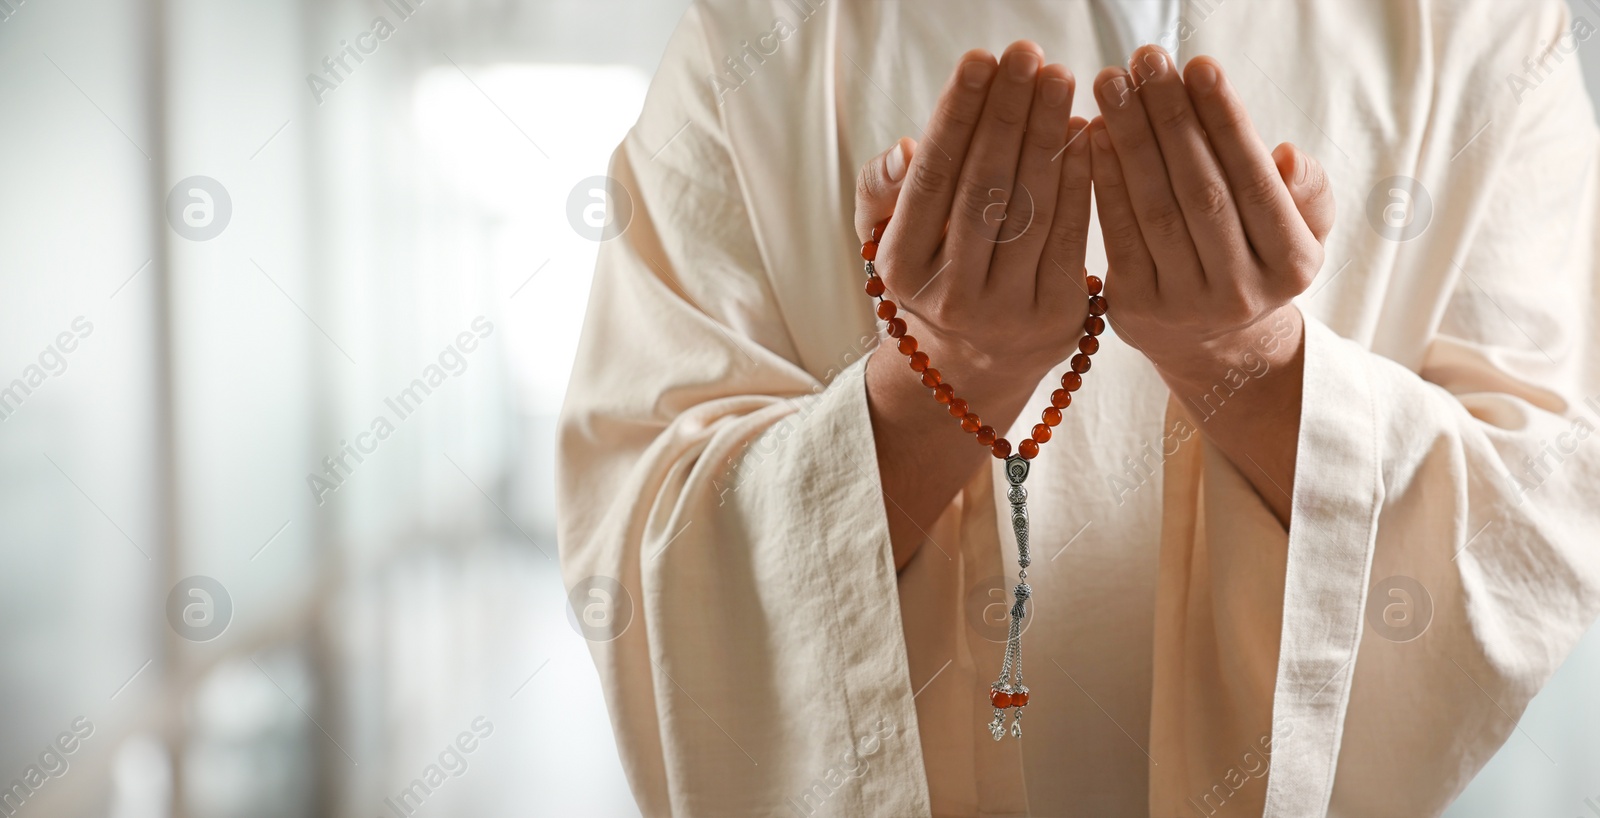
[[1010, 681]]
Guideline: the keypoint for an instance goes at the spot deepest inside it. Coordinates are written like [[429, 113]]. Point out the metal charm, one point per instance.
[[1009, 688]]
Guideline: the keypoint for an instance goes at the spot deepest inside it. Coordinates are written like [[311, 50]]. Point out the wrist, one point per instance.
[[1264, 350], [996, 386], [995, 392]]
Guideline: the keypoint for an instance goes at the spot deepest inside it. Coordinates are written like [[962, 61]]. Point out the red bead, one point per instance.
[[930, 377], [908, 345], [986, 436], [971, 423], [1019, 697], [887, 309], [1094, 325], [1041, 433], [1001, 449], [1028, 449], [999, 698], [958, 408], [897, 326], [1095, 285], [1061, 398], [879, 228], [944, 393], [1097, 305], [1052, 415], [874, 286], [1071, 381], [919, 361], [1080, 363], [869, 251], [1088, 345]]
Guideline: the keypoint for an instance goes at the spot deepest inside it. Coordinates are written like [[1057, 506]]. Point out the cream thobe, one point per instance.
[[1187, 655]]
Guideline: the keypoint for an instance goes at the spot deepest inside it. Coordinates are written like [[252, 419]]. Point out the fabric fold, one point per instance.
[[1337, 496]]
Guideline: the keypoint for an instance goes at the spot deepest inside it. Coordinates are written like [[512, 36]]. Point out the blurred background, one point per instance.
[[249, 567]]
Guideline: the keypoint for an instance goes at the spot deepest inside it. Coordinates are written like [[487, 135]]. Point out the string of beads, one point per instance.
[[945, 393], [1008, 691]]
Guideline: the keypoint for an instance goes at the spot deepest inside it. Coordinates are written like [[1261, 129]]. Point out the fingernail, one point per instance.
[[1102, 139], [1203, 78], [1054, 91], [1076, 142], [1155, 64], [1115, 91], [976, 73], [1022, 65], [1302, 168], [896, 162]]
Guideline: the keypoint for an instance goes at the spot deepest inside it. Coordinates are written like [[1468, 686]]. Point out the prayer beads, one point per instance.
[[1008, 692]]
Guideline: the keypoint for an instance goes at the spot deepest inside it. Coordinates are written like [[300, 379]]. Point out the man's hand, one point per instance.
[[1209, 237], [986, 256], [984, 259]]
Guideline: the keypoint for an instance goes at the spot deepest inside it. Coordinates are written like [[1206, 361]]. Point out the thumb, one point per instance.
[[1308, 186], [878, 185]]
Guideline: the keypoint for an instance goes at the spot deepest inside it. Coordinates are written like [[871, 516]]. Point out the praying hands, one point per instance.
[[1208, 237], [986, 258]]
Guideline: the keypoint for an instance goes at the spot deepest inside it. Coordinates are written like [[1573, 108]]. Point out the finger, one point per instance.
[[1144, 173], [878, 186], [1034, 196], [990, 172], [930, 182], [1313, 198], [1060, 274], [1132, 272], [1197, 179], [1308, 186], [1271, 221]]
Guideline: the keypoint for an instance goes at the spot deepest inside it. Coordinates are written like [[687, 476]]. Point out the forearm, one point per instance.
[[1244, 396], [924, 457]]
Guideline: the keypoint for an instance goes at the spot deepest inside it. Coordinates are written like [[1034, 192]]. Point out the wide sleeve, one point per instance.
[[1441, 560], [721, 522], [1485, 571]]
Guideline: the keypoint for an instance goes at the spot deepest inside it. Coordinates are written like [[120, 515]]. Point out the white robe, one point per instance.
[[716, 453]]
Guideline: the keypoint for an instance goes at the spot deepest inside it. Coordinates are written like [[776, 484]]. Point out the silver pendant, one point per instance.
[[1008, 692]]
